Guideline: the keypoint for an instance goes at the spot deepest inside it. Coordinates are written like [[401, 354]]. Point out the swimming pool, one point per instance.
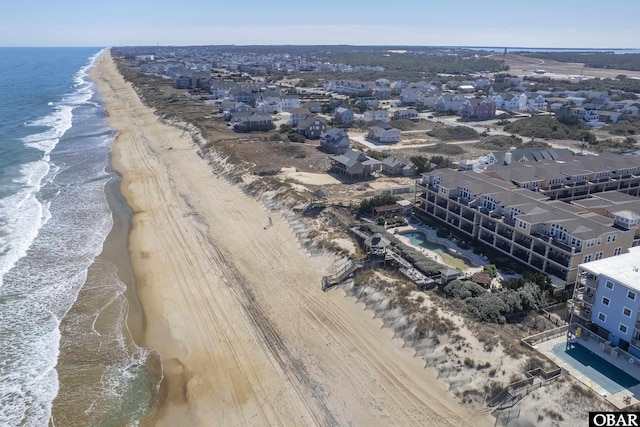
[[600, 371], [418, 238]]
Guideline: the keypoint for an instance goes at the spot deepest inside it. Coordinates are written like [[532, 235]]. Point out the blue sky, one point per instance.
[[541, 23]]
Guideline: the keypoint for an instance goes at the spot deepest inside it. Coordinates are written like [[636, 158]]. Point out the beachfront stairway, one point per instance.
[[341, 275]]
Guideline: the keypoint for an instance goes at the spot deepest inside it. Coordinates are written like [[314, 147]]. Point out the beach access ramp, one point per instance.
[[339, 276]]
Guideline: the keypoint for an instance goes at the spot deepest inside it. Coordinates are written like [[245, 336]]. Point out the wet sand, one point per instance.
[[235, 308]]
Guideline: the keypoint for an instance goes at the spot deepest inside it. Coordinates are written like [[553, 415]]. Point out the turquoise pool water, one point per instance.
[[418, 238], [600, 371]]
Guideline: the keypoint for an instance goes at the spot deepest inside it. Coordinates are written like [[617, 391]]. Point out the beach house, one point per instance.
[[607, 300]]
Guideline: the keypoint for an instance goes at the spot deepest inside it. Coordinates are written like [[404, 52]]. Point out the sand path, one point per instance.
[[236, 310]]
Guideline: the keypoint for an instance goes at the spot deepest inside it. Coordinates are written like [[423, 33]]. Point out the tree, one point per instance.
[[423, 164]]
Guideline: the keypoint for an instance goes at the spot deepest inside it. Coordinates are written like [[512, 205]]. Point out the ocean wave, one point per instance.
[[26, 359], [22, 216]]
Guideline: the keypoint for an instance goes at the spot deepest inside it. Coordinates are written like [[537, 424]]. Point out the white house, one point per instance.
[[289, 102], [375, 116], [385, 133], [269, 105], [536, 103]]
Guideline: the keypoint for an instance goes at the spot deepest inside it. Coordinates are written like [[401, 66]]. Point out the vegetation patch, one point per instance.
[[453, 133], [444, 149], [543, 127], [403, 124]]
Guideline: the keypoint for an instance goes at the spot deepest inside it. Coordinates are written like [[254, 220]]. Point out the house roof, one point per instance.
[[623, 268], [319, 194], [310, 120], [377, 241], [351, 157], [481, 278]]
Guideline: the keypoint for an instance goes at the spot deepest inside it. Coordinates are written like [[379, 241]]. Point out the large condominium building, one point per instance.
[[607, 300], [551, 216]]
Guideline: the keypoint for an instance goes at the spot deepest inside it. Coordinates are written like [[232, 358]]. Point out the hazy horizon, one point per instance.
[[570, 24]]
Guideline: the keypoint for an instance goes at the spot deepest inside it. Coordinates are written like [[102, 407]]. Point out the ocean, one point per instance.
[[66, 353]]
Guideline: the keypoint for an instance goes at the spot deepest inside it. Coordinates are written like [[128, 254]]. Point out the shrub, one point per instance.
[[463, 289], [380, 200], [296, 137]]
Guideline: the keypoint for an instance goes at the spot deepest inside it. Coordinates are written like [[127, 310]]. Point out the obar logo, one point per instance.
[[611, 419]]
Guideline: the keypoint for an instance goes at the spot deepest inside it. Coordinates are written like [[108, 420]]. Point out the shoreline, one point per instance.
[[220, 291]]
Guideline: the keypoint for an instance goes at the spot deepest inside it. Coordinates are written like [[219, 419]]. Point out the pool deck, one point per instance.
[[431, 234], [616, 399]]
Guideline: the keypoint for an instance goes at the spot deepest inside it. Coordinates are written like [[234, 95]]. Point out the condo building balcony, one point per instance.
[[521, 255], [505, 232], [537, 263], [467, 228], [468, 215], [540, 249], [504, 247], [589, 280], [588, 296], [558, 259], [523, 241], [487, 237], [584, 312]]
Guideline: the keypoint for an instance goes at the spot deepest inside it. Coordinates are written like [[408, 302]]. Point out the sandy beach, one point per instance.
[[234, 305]]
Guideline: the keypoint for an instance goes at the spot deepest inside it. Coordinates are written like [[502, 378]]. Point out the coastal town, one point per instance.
[[488, 217]]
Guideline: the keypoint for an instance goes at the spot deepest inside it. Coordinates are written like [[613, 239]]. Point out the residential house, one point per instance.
[[335, 141], [513, 102], [450, 103], [384, 132], [290, 102], [409, 95], [256, 122], [610, 116], [536, 102], [500, 158], [349, 87], [477, 109], [482, 82], [394, 167], [375, 116], [587, 113], [409, 114], [242, 95], [269, 105], [312, 126], [427, 102], [368, 102], [606, 299], [381, 92], [355, 164], [498, 99], [313, 106], [343, 116], [297, 114]]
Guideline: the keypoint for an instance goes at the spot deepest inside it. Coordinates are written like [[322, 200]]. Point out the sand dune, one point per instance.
[[236, 310]]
